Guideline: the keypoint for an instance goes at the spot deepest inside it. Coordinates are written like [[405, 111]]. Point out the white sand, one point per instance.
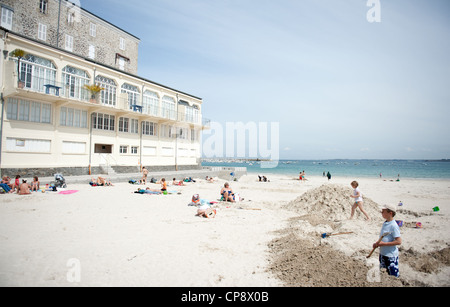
[[126, 239]]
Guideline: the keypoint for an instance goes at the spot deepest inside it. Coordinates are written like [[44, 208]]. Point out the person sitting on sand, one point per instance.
[[6, 184], [163, 185], [227, 193], [35, 184], [144, 175], [23, 188]]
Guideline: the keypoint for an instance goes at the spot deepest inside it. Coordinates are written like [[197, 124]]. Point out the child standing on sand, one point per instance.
[[388, 245], [358, 200]]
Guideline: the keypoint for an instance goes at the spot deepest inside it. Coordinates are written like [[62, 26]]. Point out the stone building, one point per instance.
[[63, 24], [51, 122]]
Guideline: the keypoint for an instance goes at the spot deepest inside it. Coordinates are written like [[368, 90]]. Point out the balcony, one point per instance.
[[34, 87]]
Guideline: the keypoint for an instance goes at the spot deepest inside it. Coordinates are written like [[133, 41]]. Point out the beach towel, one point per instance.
[[67, 192]]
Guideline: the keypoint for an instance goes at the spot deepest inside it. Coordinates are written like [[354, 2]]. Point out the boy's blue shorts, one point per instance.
[[390, 264]]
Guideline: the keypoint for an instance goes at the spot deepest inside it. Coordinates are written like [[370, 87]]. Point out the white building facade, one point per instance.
[[51, 122]]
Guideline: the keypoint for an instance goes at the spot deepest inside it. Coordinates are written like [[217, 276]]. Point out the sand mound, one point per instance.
[[331, 203]]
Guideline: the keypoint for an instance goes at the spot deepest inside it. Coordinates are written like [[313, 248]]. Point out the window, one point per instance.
[[128, 125], [93, 30], [74, 80], [149, 128], [70, 18], [35, 72], [103, 121], [108, 95], [23, 110], [7, 17], [121, 63], [168, 107], [133, 94], [123, 124], [134, 150], [194, 136], [69, 43], [43, 6], [28, 145], [42, 32], [123, 149], [122, 43], [92, 52], [73, 147], [150, 103], [73, 117]]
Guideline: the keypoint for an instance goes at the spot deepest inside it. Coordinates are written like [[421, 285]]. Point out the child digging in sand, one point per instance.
[[388, 245], [358, 200]]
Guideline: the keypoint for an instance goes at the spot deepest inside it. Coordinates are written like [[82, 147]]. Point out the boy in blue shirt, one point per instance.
[[388, 246]]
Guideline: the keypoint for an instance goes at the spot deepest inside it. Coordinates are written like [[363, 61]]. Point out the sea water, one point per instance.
[[386, 169]]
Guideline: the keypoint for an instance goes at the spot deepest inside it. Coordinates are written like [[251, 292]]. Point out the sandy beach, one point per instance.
[[111, 236]]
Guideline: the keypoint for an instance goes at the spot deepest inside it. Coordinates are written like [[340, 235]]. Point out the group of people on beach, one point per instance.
[[390, 236], [21, 188]]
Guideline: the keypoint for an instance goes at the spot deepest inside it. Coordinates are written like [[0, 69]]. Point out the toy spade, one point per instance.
[[324, 235], [379, 240]]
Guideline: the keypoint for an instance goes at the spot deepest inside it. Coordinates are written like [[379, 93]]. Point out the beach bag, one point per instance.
[[237, 197], [2, 191]]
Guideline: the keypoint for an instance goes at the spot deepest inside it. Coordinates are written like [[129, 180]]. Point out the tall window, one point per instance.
[[43, 6], [150, 103], [74, 80], [122, 44], [7, 18], [42, 32], [108, 95], [93, 30], [69, 43], [192, 114], [168, 107], [133, 94], [36, 71]]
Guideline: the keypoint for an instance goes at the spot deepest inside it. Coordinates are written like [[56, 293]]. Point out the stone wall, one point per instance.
[[27, 17]]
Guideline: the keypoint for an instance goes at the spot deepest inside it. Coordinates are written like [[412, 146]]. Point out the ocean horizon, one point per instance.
[[366, 168]]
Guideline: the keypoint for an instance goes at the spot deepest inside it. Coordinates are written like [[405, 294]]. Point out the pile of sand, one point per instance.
[[301, 257], [331, 203]]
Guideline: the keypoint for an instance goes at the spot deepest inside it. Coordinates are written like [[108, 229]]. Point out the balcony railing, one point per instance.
[[51, 87]]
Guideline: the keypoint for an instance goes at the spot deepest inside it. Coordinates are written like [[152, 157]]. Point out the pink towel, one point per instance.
[[68, 192]]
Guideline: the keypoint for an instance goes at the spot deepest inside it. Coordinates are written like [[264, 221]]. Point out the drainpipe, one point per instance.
[[176, 137], [140, 134], [90, 144], [1, 132], [59, 19]]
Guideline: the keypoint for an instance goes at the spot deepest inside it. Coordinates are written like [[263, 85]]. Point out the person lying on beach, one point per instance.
[[100, 181], [227, 193], [175, 182], [24, 188], [147, 190], [35, 184], [210, 179]]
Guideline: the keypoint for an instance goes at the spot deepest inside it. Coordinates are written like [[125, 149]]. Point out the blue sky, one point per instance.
[[338, 85]]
